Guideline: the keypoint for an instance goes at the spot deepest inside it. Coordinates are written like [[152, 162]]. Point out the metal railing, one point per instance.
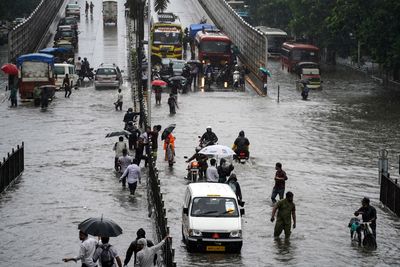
[[390, 193], [251, 42], [154, 195], [11, 167], [25, 37]]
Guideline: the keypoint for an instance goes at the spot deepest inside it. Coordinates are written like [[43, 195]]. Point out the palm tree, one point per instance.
[[160, 5]]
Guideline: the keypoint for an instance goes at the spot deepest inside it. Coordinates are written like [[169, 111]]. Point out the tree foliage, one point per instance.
[[338, 24], [11, 9]]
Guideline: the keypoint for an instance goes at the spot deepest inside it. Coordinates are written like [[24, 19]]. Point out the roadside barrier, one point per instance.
[[25, 37], [155, 200], [390, 193], [11, 167]]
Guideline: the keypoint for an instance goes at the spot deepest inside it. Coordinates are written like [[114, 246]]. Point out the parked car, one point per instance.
[[60, 69], [108, 76], [211, 218], [73, 10], [70, 49], [67, 35], [69, 21]]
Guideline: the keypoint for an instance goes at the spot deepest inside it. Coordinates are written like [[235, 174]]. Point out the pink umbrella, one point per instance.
[[158, 83]]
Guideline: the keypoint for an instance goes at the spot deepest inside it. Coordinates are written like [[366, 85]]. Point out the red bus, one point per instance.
[[214, 47], [293, 53]]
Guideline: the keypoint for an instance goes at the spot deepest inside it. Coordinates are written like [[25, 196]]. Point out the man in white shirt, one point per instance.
[[132, 173], [86, 251], [118, 148], [118, 103], [212, 172], [124, 161]]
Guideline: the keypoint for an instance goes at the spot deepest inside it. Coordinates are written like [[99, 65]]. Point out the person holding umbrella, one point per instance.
[[86, 251]]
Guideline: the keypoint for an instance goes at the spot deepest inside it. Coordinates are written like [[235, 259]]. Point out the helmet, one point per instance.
[[208, 128], [197, 149], [241, 133]]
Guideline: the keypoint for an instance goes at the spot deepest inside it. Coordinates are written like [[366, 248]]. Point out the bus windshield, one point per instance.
[[214, 207], [304, 55], [215, 47], [172, 38]]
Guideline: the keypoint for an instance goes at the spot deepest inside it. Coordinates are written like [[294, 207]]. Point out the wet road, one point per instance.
[[328, 146], [69, 164]]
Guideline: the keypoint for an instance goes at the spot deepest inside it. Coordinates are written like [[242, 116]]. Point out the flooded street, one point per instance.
[[68, 163], [328, 146]]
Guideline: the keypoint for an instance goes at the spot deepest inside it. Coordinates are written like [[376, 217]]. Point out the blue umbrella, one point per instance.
[[265, 71]]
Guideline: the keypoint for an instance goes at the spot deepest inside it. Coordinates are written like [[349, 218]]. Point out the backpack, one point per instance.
[[106, 256]]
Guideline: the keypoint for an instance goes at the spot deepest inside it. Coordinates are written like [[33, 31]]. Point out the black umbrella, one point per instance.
[[100, 227], [119, 133], [167, 131], [177, 78]]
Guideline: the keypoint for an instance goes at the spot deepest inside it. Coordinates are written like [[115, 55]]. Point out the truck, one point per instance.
[[110, 11]]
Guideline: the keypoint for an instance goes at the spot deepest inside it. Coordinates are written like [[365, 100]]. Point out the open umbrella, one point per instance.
[[100, 227], [167, 131], [177, 78], [158, 83], [123, 132], [10, 69], [218, 151], [265, 71]]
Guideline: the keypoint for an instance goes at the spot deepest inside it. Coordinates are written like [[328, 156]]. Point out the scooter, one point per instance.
[[193, 171]]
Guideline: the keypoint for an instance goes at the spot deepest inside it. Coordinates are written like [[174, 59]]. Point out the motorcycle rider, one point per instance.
[[208, 69], [202, 160], [241, 144], [85, 71], [208, 138], [226, 72]]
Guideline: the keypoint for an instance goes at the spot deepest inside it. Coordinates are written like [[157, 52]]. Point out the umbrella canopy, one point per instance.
[[194, 61], [100, 227], [119, 133], [265, 71], [10, 69], [218, 151], [167, 131], [177, 78], [158, 83]]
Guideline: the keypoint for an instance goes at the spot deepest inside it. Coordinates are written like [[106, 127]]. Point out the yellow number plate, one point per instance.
[[215, 248]]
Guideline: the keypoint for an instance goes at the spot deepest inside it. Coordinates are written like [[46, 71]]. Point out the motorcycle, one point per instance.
[[193, 171], [86, 74], [242, 157]]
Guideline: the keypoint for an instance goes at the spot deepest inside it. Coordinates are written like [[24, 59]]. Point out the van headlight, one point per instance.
[[236, 234], [193, 232]]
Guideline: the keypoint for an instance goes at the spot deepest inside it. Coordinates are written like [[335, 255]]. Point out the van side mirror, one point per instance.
[[185, 211], [242, 212]]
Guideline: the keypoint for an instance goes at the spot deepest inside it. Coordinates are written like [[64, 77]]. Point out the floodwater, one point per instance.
[[328, 146], [69, 163]]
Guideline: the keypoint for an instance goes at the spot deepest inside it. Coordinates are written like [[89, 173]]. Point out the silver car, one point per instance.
[[108, 76]]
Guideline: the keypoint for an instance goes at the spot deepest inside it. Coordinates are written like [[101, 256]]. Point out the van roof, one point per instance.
[[211, 190]]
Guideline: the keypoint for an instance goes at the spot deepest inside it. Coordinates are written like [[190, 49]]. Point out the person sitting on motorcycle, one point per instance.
[[85, 69], [202, 160], [208, 138], [241, 144]]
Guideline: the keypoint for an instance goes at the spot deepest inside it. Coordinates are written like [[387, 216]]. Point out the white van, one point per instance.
[[60, 69], [211, 218], [110, 11]]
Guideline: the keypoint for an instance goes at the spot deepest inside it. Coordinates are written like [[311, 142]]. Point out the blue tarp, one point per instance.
[[35, 57], [194, 28], [52, 50]]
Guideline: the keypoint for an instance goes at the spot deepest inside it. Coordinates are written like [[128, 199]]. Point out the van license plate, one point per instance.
[[215, 248]]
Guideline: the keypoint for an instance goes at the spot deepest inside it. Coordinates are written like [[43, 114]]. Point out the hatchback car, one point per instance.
[[73, 10], [108, 76], [69, 21]]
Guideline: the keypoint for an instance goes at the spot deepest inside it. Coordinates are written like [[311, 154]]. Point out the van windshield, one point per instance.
[[214, 207]]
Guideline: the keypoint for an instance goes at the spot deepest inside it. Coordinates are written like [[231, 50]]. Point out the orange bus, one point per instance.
[[294, 53], [214, 47]]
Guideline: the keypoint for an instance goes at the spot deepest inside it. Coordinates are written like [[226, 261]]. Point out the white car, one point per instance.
[[60, 69], [73, 10], [108, 76], [211, 218]]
